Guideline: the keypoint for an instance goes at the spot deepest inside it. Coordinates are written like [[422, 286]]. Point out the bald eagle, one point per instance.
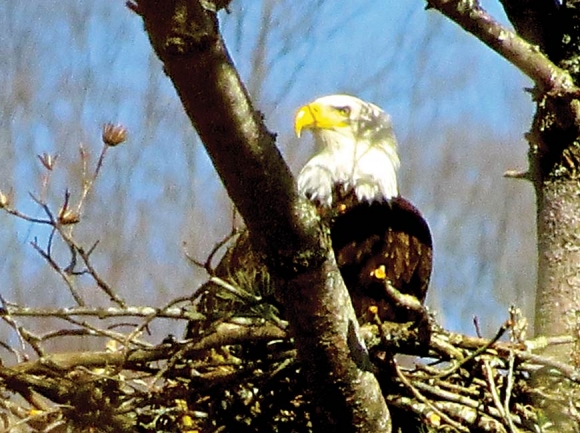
[[377, 235]]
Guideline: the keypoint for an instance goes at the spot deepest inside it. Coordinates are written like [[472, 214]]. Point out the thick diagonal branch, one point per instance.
[[186, 38], [525, 56]]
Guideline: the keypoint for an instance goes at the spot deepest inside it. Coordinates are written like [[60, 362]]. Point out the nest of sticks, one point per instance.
[[238, 370]]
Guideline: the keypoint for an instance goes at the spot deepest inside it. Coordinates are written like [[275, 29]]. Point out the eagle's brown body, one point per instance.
[[387, 238]]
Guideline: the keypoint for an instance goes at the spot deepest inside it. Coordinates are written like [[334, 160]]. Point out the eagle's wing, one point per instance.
[[390, 238]]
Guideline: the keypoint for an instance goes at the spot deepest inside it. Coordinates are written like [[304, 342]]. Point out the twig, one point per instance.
[[469, 416], [150, 317], [121, 338], [102, 284], [517, 174], [476, 326], [566, 370], [90, 181], [50, 241], [62, 333], [440, 345], [495, 395], [478, 352], [509, 388], [426, 401], [239, 292], [455, 388], [74, 247], [12, 323], [25, 217], [66, 276], [23, 334], [101, 313], [207, 266], [453, 396], [225, 334], [403, 300]]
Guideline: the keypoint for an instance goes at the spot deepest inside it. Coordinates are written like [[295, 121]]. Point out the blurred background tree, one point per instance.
[[458, 109]]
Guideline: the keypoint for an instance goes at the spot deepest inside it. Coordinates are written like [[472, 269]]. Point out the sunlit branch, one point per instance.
[[525, 56]]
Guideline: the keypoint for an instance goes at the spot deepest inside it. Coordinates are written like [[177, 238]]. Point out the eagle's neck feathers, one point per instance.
[[364, 164]]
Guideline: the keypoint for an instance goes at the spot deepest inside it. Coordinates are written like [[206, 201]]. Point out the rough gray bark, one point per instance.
[[559, 258]]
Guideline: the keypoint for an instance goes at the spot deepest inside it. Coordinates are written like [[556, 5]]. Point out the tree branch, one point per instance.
[[525, 56], [185, 36], [284, 228]]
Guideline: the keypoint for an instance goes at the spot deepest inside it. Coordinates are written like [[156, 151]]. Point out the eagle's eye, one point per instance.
[[345, 111]]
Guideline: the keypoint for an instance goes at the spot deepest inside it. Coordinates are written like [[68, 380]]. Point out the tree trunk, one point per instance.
[[554, 160], [558, 297], [556, 137]]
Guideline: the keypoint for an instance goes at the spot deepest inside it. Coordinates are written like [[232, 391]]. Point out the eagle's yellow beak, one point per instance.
[[305, 118], [318, 116]]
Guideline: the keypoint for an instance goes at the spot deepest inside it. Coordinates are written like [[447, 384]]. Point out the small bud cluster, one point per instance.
[[68, 216], [4, 200], [113, 135], [48, 160]]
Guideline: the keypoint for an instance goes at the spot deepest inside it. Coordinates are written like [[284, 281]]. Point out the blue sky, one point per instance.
[[69, 66]]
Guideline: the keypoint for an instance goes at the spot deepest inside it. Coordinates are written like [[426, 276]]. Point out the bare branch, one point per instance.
[[67, 277], [425, 401], [525, 56], [505, 414]]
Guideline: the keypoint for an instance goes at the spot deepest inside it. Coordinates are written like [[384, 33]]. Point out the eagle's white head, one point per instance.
[[357, 150]]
